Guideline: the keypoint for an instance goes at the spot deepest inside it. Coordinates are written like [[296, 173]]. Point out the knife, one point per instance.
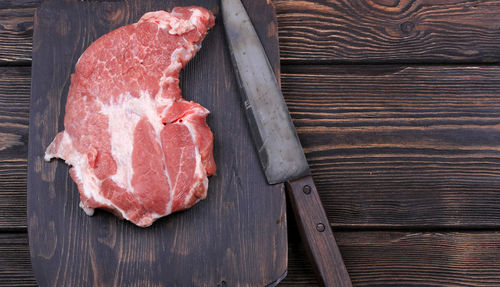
[[277, 143]]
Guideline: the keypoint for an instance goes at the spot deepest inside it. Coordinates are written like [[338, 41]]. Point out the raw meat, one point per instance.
[[136, 147]]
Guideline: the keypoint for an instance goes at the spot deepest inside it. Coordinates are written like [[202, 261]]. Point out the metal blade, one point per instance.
[[272, 128]]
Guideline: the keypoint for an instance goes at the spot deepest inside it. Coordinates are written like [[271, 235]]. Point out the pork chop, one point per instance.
[[137, 148]]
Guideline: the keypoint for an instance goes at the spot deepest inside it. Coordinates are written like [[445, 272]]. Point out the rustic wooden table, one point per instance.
[[397, 105]]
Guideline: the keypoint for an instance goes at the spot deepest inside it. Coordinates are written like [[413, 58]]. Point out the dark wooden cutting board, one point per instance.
[[236, 237]]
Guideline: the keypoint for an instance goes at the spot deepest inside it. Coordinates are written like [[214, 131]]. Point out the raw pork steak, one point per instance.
[[136, 147]]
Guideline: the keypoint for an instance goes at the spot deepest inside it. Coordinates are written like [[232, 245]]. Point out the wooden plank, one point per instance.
[[14, 111], [362, 128], [15, 266], [16, 31], [212, 243], [399, 145], [416, 31], [12, 4], [373, 258], [410, 259], [14, 107], [342, 31]]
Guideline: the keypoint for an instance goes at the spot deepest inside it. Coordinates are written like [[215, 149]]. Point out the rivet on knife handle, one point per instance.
[[315, 229]]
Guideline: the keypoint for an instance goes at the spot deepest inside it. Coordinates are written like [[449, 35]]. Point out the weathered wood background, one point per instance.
[[397, 104]]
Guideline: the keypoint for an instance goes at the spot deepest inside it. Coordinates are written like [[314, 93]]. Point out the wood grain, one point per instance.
[[14, 109], [400, 146], [376, 258], [337, 31], [211, 244], [457, 186], [412, 259], [385, 31], [316, 234], [15, 266], [417, 153], [12, 4], [16, 31]]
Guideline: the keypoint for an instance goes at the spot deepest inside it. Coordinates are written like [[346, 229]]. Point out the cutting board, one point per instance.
[[236, 237]]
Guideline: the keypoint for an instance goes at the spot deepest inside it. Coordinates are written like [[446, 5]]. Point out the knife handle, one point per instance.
[[316, 233]]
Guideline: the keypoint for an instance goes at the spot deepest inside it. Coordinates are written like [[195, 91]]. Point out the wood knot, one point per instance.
[[407, 27], [387, 3], [112, 15]]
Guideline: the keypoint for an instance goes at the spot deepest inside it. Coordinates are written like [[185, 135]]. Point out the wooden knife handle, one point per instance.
[[316, 233]]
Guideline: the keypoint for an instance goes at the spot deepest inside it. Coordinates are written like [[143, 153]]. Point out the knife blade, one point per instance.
[[277, 144]]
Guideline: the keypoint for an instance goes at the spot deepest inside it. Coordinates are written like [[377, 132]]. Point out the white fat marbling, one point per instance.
[[123, 117]]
